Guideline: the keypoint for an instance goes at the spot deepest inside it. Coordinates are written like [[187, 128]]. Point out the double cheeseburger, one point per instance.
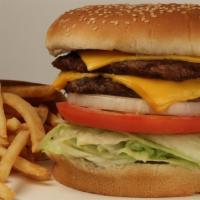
[[132, 78]]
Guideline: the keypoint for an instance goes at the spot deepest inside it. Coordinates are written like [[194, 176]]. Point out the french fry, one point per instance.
[[12, 153], [32, 170], [3, 129], [53, 119], [28, 168], [6, 193], [19, 120], [29, 91], [30, 116], [13, 124], [11, 137], [34, 92], [42, 111], [23, 126], [4, 142], [10, 112]]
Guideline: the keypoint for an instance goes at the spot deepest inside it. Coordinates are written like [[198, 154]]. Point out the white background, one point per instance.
[[23, 25]]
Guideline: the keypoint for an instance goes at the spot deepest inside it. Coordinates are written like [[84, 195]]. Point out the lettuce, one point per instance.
[[106, 148]]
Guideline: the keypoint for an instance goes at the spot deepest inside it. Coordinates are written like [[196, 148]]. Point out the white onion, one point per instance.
[[131, 105]]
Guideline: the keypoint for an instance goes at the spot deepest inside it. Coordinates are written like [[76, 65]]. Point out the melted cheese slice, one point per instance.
[[95, 59], [160, 94], [65, 77]]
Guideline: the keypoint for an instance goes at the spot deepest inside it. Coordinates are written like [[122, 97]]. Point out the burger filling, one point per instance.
[[136, 84], [113, 149], [99, 85], [120, 74], [161, 69]]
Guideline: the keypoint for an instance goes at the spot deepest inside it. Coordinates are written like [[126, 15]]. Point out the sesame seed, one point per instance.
[[183, 12], [134, 19], [114, 22], [94, 28], [143, 19], [147, 9], [89, 14], [62, 21], [127, 22], [170, 11], [141, 13], [153, 15], [66, 20]]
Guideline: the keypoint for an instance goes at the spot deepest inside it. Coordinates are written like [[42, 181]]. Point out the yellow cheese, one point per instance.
[[160, 94], [95, 59], [65, 77]]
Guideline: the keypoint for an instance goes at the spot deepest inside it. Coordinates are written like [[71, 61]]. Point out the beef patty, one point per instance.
[[162, 69], [99, 85]]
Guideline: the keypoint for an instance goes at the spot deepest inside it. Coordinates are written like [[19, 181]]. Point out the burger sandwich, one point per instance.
[[132, 116]]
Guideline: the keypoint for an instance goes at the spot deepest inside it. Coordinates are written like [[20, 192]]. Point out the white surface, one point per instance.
[[27, 190], [23, 56]]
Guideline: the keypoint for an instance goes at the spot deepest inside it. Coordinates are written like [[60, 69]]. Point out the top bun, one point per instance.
[[158, 29]]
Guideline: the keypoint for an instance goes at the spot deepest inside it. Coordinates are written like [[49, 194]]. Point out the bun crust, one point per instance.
[[138, 180], [156, 29]]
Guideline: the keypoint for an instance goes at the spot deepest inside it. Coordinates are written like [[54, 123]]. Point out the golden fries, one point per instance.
[[3, 129], [22, 127], [28, 168], [43, 111], [5, 192], [33, 91], [4, 142], [12, 153], [30, 116], [10, 112], [53, 119], [13, 124], [32, 170]]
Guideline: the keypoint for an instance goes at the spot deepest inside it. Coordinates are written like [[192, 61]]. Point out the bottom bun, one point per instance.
[[137, 180]]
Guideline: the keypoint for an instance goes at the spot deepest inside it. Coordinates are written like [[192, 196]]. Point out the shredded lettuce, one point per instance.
[[106, 148]]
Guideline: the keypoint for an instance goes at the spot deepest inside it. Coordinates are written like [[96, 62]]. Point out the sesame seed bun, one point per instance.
[[137, 180], [144, 29]]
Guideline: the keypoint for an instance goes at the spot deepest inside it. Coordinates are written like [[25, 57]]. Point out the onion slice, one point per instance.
[[131, 105]]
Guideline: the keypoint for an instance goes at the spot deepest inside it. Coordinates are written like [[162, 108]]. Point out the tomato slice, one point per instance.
[[125, 122]]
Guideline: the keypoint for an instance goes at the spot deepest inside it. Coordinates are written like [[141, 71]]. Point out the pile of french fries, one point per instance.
[[22, 127]]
